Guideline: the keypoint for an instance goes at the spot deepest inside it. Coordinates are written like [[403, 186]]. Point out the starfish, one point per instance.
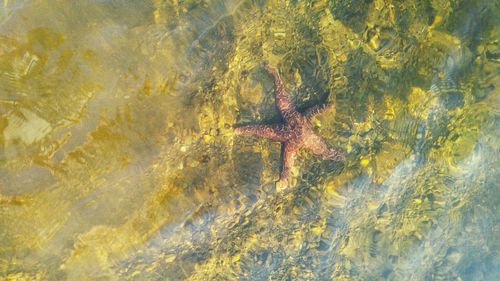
[[294, 133]]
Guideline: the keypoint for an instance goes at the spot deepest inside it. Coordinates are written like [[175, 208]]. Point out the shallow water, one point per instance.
[[119, 161]]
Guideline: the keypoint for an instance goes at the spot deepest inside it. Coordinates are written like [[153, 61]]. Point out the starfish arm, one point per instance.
[[315, 110], [283, 100], [317, 146], [288, 159], [273, 132]]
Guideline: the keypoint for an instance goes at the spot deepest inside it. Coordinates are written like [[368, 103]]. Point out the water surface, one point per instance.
[[118, 159]]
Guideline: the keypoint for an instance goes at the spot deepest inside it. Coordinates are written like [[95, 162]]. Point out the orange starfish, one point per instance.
[[295, 133]]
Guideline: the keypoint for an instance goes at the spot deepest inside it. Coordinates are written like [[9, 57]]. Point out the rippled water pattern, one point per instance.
[[118, 158]]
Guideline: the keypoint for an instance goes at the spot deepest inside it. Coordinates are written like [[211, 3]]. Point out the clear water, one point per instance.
[[118, 159]]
